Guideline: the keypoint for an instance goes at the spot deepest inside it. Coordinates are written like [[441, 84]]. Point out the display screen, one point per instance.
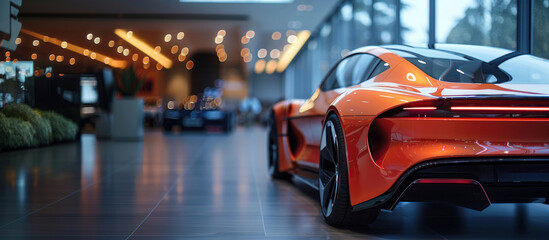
[[89, 90]]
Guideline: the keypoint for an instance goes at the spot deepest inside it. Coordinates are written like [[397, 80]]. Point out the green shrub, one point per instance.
[[41, 128], [15, 133], [62, 128]]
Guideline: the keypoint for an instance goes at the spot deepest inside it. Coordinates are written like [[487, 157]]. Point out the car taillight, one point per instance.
[[495, 108], [452, 108]]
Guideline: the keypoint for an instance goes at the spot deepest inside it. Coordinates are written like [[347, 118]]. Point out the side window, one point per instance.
[[354, 70], [380, 68], [362, 68], [331, 81], [344, 74]]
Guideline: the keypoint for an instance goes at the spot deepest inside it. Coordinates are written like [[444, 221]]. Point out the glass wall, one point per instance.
[[414, 17], [357, 23], [477, 22], [541, 28]]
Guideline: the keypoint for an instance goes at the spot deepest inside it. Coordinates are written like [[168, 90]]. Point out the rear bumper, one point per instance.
[[469, 182], [380, 150]]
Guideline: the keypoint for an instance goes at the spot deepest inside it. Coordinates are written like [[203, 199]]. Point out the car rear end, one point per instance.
[[467, 151]]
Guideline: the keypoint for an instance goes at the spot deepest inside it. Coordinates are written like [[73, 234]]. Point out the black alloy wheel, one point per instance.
[[272, 145], [333, 179]]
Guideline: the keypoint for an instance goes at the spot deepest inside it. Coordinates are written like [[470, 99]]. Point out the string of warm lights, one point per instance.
[[220, 48], [278, 62], [74, 48], [144, 47], [291, 51]]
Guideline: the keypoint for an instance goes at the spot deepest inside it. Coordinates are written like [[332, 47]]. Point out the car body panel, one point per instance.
[[409, 140]]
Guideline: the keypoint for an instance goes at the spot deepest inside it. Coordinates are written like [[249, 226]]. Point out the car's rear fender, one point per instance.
[[282, 111]]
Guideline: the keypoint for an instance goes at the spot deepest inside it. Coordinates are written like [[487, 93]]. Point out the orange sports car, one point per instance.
[[467, 125]]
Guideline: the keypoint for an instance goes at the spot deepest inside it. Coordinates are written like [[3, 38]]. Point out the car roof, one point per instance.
[[483, 53], [445, 50]]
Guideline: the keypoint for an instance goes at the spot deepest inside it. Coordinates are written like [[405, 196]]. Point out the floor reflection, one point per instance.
[[193, 185]]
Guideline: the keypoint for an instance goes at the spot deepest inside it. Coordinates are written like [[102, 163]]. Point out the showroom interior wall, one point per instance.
[[513, 24]]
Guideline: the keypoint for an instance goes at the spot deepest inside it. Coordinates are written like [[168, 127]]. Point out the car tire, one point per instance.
[[272, 148], [335, 202]]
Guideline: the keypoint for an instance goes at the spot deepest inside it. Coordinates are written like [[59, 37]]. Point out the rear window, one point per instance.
[[454, 68], [527, 69]]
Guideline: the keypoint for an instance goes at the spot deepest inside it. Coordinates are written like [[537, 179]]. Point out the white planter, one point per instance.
[[103, 126], [127, 119]]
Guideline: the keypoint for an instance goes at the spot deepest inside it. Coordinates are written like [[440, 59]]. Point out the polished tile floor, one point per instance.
[[205, 186]]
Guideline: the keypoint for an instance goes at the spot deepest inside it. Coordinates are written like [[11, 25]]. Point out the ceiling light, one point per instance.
[[180, 35], [271, 67], [157, 49], [244, 52], [250, 34], [129, 34], [72, 61], [64, 44], [223, 58], [275, 53], [93, 55], [167, 38], [244, 40], [185, 51], [290, 32], [126, 52], [221, 33], [145, 48], [18, 41], [158, 66], [289, 53], [77, 49], [59, 58], [89, 36], [218, 39], [262, 53], [181, 58], [52, 57], [175, 49], [86, 52], [146, 60], [189, 65], [276, 35], [97, 40], [248, 58], [111, 43], [286, 47], [292, 39], [259, 66], [135, 57], [219, 47], [120, 49], [35, 43], [34, 56]]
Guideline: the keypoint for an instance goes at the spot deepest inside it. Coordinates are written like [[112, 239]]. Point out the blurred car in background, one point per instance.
[[153, 111], [202, 112]]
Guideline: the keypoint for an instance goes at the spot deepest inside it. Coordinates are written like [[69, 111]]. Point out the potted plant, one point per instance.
[[127, 111]]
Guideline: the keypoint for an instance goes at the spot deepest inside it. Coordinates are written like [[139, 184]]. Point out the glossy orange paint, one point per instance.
[[405, 141]]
